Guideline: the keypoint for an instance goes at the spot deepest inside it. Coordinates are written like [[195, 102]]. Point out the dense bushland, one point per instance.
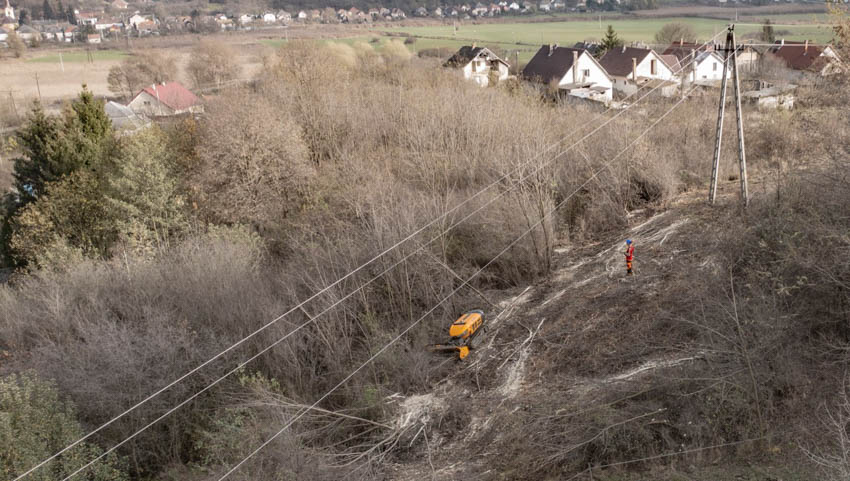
[[142, 256]]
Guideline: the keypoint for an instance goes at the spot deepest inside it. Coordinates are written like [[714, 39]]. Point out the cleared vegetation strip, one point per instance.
[[534, 226]]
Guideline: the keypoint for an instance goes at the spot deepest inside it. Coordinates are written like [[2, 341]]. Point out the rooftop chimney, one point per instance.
[[624, 49], [806, 48], [681, 41], [551, 49], [782, 43], [634, 70]]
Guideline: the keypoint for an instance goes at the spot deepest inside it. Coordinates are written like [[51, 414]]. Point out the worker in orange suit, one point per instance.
[[630, 255]]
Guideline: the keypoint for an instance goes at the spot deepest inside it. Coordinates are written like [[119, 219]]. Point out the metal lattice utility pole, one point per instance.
[[729, 50]]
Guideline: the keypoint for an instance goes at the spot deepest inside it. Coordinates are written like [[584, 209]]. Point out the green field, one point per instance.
[[524, 37], [79, 56]]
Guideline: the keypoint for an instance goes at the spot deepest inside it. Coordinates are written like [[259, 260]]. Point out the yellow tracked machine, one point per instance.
[[463, 333]]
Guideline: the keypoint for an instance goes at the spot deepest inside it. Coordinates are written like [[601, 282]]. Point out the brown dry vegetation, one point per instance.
[[334, 155]]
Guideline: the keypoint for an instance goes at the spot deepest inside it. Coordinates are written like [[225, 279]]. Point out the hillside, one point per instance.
[[254, 293]]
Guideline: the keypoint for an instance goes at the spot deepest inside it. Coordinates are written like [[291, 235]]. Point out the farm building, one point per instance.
[[479, 64], [803, 58], [165, 99], [572, 71], [771, 97], [631, 67]]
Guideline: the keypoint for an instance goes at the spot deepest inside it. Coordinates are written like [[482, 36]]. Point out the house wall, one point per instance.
[[146, 104], [479, 69], [589, 71], [644, 68], [626, 86], [711, 68]]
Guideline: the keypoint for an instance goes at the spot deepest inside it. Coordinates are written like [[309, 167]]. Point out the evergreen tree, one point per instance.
[[60, 11], [54, 147], [72, 18], [610, 41], [767, 34], [24, 17], [47, 11]]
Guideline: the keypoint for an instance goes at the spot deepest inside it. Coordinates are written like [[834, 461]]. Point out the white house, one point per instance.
[[478, 64], [9, 11], [245, 18], [302, 15], [28, 34], [3, 34], [631, 67], [708, 67], [165, 99], [570, 70], [269, 17], [284, 17], [135, 20]]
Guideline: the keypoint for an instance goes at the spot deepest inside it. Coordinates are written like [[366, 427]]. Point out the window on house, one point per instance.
[[653, 67], [714, 67], [585, 73]]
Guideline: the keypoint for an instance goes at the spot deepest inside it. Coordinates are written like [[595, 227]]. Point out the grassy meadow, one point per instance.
[[524, 37]]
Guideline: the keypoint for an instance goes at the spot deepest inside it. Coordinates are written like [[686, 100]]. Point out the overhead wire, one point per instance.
[[533, 227], [325, 289]]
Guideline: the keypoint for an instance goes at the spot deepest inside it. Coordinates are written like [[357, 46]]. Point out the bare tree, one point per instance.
[[212, 64], [675, 32], [140, 69]]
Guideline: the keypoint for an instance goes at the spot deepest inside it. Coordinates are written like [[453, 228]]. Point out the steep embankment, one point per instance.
[[588, 367]]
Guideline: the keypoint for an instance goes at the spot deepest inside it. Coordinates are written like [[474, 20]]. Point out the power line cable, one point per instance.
[[432, 309], [325, 289]]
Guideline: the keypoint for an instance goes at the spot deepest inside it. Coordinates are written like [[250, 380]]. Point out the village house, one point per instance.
[[632, 68], [397, 14], [93, 38], [302, 16], [9, 12], [8, 23], [771, 97], [479, 64], [28, 34], [70, 33], [420, 12], [479, 10], [165, 99], [283, 17], [108, 24], [87, 18], [804, 59], [438, 12], [4, 34], [135, 20], [706, 69], [119, 4], [246, 18], [571, 71]]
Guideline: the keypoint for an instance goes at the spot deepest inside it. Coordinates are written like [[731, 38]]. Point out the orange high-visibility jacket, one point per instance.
[[630, 252]]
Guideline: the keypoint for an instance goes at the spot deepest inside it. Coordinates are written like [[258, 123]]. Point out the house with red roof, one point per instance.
[[165, 99]]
